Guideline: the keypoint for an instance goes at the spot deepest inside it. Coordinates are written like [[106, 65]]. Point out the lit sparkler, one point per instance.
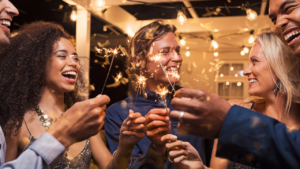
[[119, 76], [141, 81], [112, 60], [156, 58], [163, 91], [118, 80], [166, 75]]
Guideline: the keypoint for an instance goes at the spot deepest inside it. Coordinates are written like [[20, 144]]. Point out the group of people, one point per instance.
[[46, 123]]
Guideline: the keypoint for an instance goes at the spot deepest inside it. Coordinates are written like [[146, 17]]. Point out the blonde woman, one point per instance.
[[273, 91]]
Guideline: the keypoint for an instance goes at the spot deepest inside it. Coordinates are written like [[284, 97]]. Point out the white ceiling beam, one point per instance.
[[263, 7], [86, 3], [126, 2], [237, 23], [126, 22], [191, 10]]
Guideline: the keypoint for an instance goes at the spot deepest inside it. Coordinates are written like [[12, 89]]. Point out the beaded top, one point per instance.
[[81, 161], [235, 165]]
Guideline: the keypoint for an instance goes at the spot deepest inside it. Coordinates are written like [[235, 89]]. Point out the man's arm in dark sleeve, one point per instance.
[[266, 140]]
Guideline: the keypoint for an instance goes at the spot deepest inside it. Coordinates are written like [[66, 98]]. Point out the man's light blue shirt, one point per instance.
[[41, 154]]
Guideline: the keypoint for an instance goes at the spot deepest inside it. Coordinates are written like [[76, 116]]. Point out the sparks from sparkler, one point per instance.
[[156, 58], [119, 76], [141, 81], [163, 91]]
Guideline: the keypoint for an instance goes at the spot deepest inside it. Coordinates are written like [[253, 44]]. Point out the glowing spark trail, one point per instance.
[[166, 75], [112, 60]]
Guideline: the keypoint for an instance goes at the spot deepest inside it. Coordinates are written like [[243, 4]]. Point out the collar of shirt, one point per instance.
[[151, 97]]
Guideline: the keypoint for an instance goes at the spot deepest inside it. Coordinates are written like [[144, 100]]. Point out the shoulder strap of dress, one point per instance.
[[27, 127], [252, 106]]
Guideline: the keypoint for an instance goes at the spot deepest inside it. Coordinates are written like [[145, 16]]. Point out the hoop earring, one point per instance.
[[277, 87]]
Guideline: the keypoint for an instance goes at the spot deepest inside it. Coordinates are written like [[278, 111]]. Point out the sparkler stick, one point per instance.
[[166, 75], [162, 92], [112, 60]]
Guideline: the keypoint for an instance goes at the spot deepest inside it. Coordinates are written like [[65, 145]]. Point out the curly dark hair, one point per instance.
[[140, 44], [22, 72]]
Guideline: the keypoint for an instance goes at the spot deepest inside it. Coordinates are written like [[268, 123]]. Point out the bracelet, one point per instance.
[[115, 165]]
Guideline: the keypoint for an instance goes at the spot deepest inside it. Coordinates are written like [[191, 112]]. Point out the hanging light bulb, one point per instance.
[[182, 41], [216, 54], [214, 44], [251, 15], [187, 53], [242, 53], [181, 18], [73, 15], [100, 3], [246, 50], [251, 38]]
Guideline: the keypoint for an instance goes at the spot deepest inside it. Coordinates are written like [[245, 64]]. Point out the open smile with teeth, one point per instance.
[[252, 81], [5, 22], [292, 36], [69, 75], [172, 70]]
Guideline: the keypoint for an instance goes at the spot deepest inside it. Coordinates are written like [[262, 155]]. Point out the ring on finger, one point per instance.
[[202, 98], [180, 116]]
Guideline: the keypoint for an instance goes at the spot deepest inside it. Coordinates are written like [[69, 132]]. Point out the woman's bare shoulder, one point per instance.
[[242, 103], [235, 102]]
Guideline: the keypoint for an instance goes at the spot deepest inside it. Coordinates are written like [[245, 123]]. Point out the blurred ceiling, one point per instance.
[[225, 20]]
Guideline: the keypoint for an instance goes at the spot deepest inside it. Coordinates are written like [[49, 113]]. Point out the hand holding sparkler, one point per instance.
[[132, 130], [182, 154], [158, 124]]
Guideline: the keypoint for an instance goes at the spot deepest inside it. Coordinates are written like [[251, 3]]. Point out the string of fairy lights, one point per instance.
[[181, 19]]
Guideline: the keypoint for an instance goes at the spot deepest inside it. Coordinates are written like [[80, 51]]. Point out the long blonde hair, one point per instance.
[[285, 66]]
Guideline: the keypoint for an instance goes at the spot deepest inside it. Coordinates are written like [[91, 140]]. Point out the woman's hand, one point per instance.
[[132, 130], [182, 154]]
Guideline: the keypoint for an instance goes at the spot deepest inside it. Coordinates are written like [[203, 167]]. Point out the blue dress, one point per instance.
[[142, 154]]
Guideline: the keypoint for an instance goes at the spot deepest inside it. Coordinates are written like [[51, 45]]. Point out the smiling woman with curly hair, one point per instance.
[[22, 72], [40, 79]]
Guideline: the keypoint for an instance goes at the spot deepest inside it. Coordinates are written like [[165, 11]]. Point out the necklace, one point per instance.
[[47, 121]]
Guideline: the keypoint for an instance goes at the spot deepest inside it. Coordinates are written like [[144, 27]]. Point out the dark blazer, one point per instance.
[[264, 141]]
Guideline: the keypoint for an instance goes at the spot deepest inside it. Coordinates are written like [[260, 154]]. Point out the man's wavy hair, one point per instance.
[[22, 72], [140, 44]]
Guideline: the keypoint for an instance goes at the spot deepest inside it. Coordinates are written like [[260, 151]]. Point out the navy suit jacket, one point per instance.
[[266, 141]]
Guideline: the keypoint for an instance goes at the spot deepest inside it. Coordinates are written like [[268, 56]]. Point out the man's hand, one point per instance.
[[158, 124], [204, 112], [182, 154], [81, 121], [132, 130]]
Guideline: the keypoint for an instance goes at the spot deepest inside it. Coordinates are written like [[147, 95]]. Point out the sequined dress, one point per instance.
[[81, 161]]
